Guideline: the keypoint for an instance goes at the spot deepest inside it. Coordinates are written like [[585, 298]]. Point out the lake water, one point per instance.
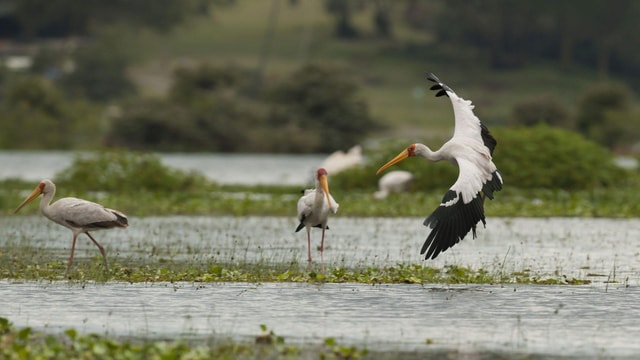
[[245, 169], [578, 321], [591, 321], [596, 321]]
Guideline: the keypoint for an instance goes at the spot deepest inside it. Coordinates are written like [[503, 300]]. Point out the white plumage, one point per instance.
[[314, 208], [471, 149], [79, 215], [393, 182], [339, 160]]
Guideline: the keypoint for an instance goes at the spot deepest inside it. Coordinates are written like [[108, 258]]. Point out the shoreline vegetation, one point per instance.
[[241, 200], [140, 186], [28, 343]]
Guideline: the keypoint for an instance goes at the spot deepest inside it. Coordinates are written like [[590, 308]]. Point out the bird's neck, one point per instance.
[[45, 202], [429, 154], [321, 197]]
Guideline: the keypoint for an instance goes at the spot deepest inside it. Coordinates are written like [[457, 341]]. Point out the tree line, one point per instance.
[[315, 108], [499, 33], [507, 34]]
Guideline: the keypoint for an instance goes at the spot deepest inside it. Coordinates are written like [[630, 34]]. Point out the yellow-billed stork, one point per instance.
[[471, 149], [314, 208], [79, 215]]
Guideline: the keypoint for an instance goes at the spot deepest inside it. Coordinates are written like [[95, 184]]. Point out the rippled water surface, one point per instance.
[[559, 320], [598, 320]]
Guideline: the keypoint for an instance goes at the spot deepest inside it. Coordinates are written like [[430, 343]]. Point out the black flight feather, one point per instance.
[[450, 224], [439, 85]]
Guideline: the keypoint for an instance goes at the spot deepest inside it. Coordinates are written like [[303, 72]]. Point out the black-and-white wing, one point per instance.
[[467, 124], [462, 207]]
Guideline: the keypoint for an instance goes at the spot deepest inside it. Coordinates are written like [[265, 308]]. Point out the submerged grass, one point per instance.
[[26, 269], [27, 343]]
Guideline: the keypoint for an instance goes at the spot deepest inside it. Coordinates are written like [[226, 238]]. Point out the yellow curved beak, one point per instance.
[[325, 186], [34, 194], [403, 155]]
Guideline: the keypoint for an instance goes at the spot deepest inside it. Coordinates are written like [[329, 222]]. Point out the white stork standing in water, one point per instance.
[[79, 215], [314, 208], [470, 148]]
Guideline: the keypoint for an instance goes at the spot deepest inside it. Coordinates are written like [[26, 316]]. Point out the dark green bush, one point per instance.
[[324, 102], [209, 123], [100, 71], [544, 157], [593, 107], [315, 110], [206, 80], [154, 124], [126, 172], [35, 115]]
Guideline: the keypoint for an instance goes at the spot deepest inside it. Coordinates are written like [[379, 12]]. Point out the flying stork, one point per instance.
[[314, 208], [471, 149], [79, 215]]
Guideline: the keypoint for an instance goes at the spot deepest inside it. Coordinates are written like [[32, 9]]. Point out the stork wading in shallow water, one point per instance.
[[79, 215], [314, 208], [471, 149]]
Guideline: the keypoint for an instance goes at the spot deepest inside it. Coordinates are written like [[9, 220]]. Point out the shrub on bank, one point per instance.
[[127, 172]]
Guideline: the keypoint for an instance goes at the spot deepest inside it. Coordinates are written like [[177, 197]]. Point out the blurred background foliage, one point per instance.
[[552, 80], [128, 173]]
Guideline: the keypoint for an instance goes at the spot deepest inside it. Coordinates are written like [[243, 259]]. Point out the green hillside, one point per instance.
[[392, 79]]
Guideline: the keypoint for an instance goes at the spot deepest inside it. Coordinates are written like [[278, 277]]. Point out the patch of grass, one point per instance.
[[19, 265], [27, 343], [618, 202]]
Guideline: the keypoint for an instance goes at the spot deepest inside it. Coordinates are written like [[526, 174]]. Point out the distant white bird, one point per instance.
[[339, 160], [471, 149], [314, 208], [76, 214], [393, 182]]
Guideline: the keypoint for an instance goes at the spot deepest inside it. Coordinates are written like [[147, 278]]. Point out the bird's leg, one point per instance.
[[322, 245], [309, 244], [73, 247], [104, 255]]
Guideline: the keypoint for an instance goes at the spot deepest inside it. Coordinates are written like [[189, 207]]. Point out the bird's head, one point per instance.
[[324, 183], [42, 186], [408, 152]]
